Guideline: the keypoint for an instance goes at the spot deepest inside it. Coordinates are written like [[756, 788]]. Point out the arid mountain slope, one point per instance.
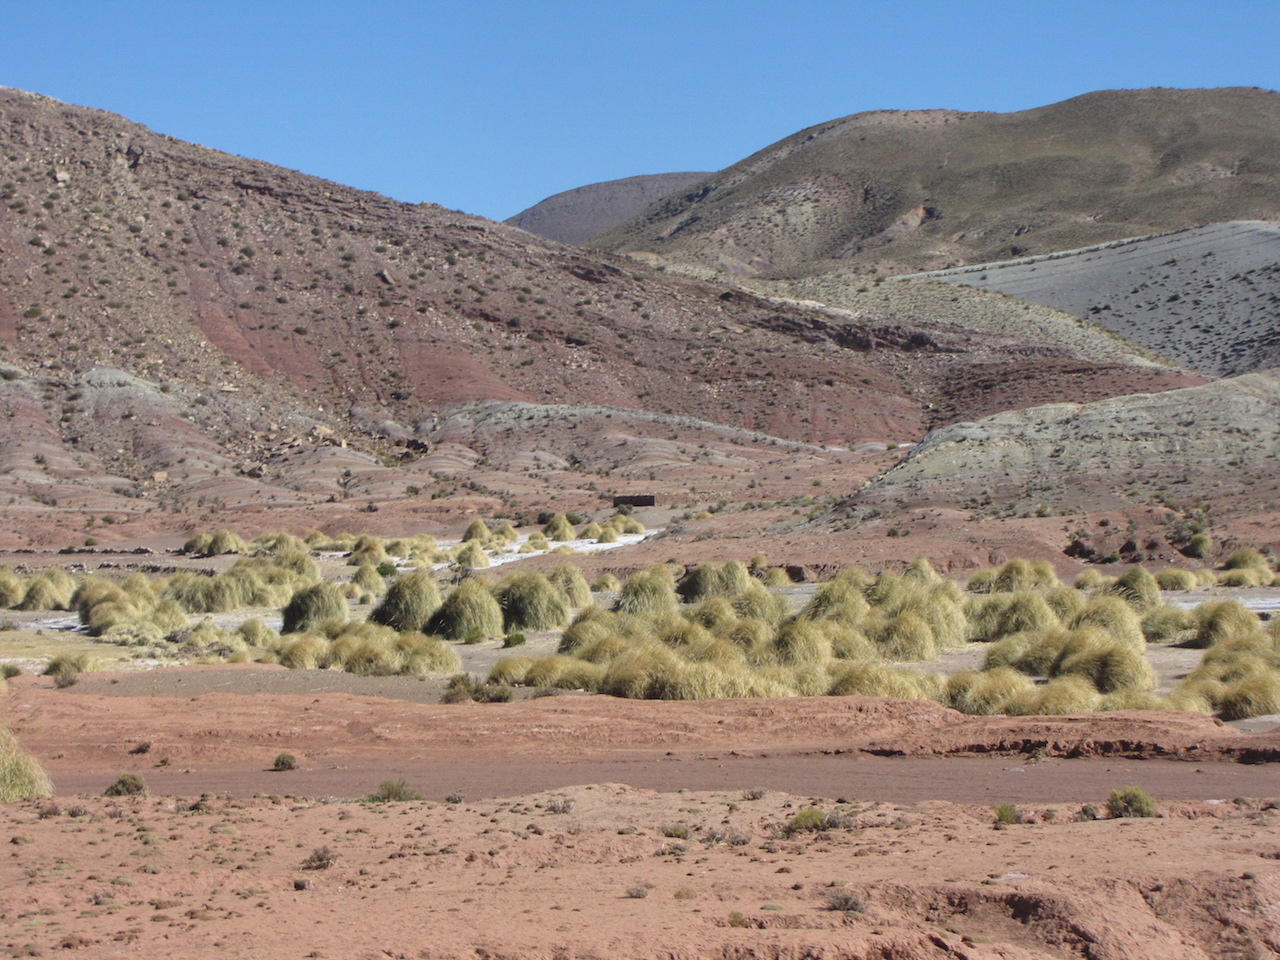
[[1214, 442], [897, 191], [1206, 298], [575, 216]]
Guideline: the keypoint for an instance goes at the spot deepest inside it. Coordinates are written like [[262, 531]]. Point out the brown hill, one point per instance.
[[185, 331], [575, 216], [897, 191]]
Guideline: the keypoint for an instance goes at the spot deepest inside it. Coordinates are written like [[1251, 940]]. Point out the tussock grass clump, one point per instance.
[[568, 579], [21, 776], [1001, 614], [478, 531], [467, 688], [47, 592], [12, 587], [1093, 581], [1032, 652], [1176, 580], [313, 606], [215, 544], [757, 603], [471, 556], [1256, 695], [988, 693], [1138, 588], [649, 593], [921, 569], [606, 583], [1019, 574], [367, 579], [1247, 558], [906, 636], [1109, 663], [561, 673], [804, 642], [1064, 695], [869, 679], [1220, 620], [1245, 577], [530, 601], [840, 599], [308, 651], [1165, 624], [410, 602], [127, 785], [625, 523], [1136, 700], [368, 549], [256, 633], [1111, 615], [559, 528], [590, 531], [468, 611], [714, 580]]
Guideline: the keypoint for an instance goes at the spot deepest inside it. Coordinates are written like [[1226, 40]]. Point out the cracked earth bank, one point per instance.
[[585, 827]]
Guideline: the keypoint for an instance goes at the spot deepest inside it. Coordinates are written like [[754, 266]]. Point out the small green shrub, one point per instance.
[[394, 791], [1008, 813], [808, 820], [127, 785], [1131, 802], [284, 761]]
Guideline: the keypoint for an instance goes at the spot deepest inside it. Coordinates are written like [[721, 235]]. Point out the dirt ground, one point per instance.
[[588, 827]]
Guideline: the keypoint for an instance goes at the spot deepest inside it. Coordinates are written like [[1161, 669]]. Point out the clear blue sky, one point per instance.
[[490, 105]]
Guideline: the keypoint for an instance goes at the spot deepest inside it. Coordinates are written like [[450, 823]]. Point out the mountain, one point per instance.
[[1206, 297], [185, 333], [899, 191], [575, 216]]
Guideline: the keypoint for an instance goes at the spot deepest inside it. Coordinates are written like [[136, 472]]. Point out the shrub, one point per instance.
[[1112, 615], [394, 791], [714, 580], [1008, 813], [21, 776], [312, 606], [1131, 802], [321, 858], [469, 611], [844, 901], [1246, 558], [127, 785], [410, 602], [66, 668], [1063, 695], [1108, 663], [284, 761], [465, 688], [880, 680], [808, 820], [1199, 546], [530, 601], [987, 693], [1164, 623]]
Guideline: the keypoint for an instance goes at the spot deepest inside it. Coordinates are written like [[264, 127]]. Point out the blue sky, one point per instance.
[[490, 105]]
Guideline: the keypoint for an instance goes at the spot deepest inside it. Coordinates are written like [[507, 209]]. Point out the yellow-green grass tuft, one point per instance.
[[1220, 620], [470, 611], [1111, 615], [648, 592], [1138, 588], [569, 580], [21, 776], [312, 606], [477, 530], [530, 601], [1176, 580], [471, 556], [559, 528], [1109, 663], [1251, 696], [871, 679], [987, 693], [410, 602], [1063, 695]]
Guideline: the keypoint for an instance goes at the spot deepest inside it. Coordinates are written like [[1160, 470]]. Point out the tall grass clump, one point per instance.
[[21, 776], [1176, 580], [570, 581], [471, 556], [367, 549], [410, 602], [47, 591], [840, 599], [477, 530], [468, 612], [1220, 620], [368, 580], [313, 606], [1111, 615], [530, 601], [648, 592], [714, 580], [12, 587], [869, 679], [1255, 695], [1109, 663], [559, 528], [1138, 588], [987, 693]]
